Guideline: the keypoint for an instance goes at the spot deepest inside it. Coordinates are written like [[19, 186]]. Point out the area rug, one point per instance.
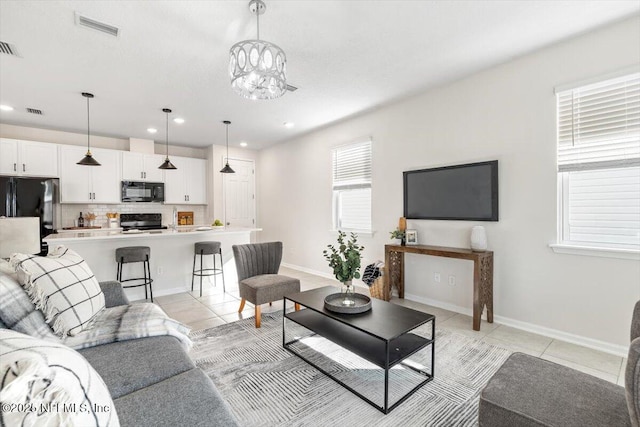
[[266, 385]]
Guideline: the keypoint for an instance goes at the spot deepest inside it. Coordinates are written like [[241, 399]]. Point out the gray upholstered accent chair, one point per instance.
[[258, 279], [528, 391]]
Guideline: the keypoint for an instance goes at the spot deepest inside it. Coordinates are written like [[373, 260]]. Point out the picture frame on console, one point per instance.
[[412, 237]]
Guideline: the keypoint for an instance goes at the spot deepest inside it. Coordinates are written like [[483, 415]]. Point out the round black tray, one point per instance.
[[333, 303]]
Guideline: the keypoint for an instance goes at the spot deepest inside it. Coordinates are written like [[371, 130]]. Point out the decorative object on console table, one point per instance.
[[482, 273], [398, 235], [412, 237], [478, 238], [345, 262], [19, 235], [402, 224]]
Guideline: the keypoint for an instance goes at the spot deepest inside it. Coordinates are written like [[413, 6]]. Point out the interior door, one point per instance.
[[239, 194]]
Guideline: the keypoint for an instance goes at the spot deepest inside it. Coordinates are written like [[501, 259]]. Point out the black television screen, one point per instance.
[[462, 192]]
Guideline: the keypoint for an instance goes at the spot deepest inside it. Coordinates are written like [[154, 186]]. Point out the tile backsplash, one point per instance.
[[69, 213]]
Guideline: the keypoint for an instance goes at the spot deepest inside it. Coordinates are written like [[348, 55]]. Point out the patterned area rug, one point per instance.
[[266, 385]]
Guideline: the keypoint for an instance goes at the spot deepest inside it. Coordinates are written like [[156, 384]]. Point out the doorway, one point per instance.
[[239, 194]]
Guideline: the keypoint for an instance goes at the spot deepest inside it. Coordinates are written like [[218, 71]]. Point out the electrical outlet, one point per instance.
[[452, 280], [436, 277], [160, 271]]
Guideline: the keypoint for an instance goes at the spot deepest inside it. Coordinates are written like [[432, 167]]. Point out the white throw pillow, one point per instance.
[[63, 287], [48, 384]]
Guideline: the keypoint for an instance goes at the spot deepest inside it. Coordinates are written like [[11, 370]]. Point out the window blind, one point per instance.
[[351, 172], [603, 207], [352, 166], [599, 125]]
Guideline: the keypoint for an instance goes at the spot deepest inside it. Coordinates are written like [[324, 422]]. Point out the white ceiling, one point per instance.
[[345, 56]]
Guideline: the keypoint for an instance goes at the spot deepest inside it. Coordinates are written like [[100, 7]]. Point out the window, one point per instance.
[[599, 164], [352, 187]]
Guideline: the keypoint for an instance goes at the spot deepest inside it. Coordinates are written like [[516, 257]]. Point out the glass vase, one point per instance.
[[348, 292]]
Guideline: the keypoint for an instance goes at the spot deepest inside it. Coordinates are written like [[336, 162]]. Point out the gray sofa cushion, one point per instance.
[[113, 294], [528, 391], [127, 366], [632, 382], [189, 399]]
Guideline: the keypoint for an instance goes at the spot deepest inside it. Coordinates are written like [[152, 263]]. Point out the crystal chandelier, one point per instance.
[[258, 69]]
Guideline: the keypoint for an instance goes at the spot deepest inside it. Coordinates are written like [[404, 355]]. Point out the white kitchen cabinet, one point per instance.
[[89, 184], [28, 158], [142, 167], [187, 184]]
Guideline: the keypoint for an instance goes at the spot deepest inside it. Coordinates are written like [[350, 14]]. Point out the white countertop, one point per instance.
[[110, 234]]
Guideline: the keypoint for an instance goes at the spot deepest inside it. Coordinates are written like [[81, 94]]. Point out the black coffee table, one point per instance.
[[382, 336]]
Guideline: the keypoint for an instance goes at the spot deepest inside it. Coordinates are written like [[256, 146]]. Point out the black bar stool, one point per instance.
[[207, 248], [131, 254]]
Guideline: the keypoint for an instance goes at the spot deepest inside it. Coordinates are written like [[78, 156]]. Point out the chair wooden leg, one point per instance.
[[297, 306], [257, 316], [241, 305]]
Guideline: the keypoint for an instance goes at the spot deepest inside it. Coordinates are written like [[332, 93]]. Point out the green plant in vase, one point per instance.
[[398, 234], [345, 262]]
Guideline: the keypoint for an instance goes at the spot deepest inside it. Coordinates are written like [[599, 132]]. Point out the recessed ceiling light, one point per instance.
[[178, 120], [288, 125], [243, 144], [6, 108], [152, 130]]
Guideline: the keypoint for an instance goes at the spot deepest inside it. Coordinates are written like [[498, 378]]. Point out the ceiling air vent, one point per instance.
[[96, 25], [8, 49], [291, 88], [34, 111]]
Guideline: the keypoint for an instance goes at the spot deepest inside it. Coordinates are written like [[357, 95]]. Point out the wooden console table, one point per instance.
[[482, 273]]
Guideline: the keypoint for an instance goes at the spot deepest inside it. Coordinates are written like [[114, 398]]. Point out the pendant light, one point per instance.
[[258, 68], [167, 164], [88, 159], [227, 168]]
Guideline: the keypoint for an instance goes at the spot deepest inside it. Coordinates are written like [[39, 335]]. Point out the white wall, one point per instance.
[[505, 113]]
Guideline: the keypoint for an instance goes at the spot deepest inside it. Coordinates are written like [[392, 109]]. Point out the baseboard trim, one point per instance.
[[307, 270], [617, 350], [140, 292]]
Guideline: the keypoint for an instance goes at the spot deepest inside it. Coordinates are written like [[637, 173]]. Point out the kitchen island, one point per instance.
[[171, 253]]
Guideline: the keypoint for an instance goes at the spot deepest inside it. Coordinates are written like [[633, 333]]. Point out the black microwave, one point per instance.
[[137, 191]]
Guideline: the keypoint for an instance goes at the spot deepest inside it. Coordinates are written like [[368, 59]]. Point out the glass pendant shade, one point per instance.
[[88, 159], [258, 68], [167, 165], [227, 168]]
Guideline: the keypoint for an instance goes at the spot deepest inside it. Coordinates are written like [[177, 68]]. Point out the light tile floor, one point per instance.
[[216, 308]]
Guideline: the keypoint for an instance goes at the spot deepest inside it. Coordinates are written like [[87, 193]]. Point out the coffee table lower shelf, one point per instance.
[[383, 353]]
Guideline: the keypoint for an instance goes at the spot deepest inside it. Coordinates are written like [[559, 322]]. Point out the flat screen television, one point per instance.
[[461, 192]]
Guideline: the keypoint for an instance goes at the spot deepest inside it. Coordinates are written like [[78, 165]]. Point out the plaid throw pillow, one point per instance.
[[63, 287], [44, 383], [17, 312]]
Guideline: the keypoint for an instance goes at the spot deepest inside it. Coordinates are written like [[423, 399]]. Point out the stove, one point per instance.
[[141, 221]]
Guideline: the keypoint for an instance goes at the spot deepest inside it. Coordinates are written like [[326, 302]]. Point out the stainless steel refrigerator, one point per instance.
[[31, 197]]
